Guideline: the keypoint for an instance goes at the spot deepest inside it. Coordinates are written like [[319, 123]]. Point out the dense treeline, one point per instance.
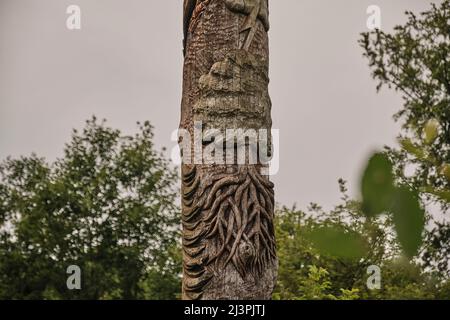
[[109, 204]]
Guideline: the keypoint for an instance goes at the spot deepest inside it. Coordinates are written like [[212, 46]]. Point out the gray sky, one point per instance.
[[125, 65]]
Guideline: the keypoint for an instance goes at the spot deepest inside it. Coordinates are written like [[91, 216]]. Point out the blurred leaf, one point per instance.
[[336, 242], [409, 220], [377, 185]]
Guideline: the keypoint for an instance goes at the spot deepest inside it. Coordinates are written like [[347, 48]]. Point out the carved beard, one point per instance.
[[227, 218]]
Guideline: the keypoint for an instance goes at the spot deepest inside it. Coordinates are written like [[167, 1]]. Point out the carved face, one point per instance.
[[246, 251]]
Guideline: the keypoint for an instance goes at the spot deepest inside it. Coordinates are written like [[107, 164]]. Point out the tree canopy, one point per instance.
[[415, 60], [107, 206]]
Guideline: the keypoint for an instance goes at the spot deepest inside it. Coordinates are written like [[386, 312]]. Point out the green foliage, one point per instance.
[[380, 195], [306, 272], [431, 131], [344, 274], [377, 185], [106, 206], [316, 285], [338, 242], [415, 60], [409, 220], [436, 253], [163, 283]]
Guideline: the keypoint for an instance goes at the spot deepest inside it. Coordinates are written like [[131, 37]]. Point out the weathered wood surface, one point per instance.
[[227, 210]]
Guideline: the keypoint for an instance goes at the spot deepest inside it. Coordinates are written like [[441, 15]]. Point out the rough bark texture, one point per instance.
[[227, 209]]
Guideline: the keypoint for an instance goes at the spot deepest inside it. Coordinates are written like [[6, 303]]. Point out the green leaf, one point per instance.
[[409, 220], [431, 131], [377, 185], [336, 242], [443, 194], [413, 149], [445, 171]]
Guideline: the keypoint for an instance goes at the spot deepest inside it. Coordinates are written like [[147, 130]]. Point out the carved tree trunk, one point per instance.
[[227, 208]]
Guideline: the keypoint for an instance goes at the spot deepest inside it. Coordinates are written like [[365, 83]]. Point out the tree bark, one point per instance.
[[227, 207]]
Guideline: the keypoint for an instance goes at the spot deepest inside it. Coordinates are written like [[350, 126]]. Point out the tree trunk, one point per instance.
[[227, 200]]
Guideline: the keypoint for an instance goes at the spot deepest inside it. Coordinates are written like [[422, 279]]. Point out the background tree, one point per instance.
[[415, 60], [107, 206], [336, 269]]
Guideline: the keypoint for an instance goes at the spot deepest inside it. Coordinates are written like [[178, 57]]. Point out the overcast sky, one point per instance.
[[125, 65]]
